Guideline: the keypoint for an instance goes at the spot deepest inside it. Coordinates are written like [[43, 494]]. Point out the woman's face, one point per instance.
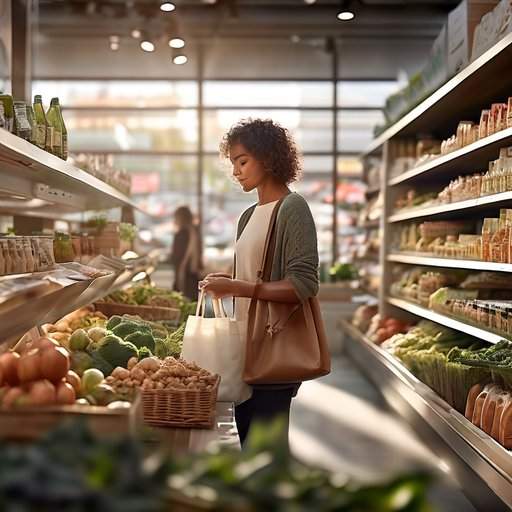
[[247, 170]]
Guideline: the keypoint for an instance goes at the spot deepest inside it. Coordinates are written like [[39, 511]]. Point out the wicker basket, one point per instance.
[[180, 407], [146, 312]]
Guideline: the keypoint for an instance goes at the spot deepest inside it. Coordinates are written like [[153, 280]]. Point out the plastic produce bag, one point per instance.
[[218, 345]]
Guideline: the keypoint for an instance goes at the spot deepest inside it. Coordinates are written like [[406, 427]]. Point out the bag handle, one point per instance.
[[268, 239], [218, 306]]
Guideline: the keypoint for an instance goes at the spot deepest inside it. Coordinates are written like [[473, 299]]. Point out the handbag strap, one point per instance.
[[263, 273]]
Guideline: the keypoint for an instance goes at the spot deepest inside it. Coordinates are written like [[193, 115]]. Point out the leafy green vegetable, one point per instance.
[[116, 352]]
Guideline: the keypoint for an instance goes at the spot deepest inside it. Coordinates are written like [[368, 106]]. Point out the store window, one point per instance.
[[312, 129], [100, 130], [356, 129], [365, 93], [119, 93], [267, 94]]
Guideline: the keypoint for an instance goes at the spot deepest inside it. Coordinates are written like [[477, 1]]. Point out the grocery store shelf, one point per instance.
[[481, 83], [496, 200], [470, 158], [50, 308], [27, 170], [411, 259], [445, 320], [482, 467]]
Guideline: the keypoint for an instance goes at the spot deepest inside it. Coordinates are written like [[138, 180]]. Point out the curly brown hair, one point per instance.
[[269, 143]]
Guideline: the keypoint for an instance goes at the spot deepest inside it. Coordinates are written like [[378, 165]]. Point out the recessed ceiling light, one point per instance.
[[136, 33], [177, 42], [310, 2], [180, 59], [114, 46], [346, 12], [346, 15], [114, 39], [167, 6], [147, 46]]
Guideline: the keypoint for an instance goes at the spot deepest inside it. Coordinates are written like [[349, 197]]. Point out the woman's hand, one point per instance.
[[216, 274], [218, 287]]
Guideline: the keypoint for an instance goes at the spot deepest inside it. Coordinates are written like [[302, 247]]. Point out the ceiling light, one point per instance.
[[167, 7], [114, 46], [177, 42], [346, 13], [136, 33], [180, 59], [310, 2], [114, 39], [147, 45], [211, 2]]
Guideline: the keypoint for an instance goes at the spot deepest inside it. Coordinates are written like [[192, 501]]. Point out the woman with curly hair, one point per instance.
[[265, 158]]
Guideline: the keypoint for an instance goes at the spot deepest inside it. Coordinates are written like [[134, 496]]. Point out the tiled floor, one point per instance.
[[341, 422]]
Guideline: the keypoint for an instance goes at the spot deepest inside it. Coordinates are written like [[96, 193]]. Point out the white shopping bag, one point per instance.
[[218, 345]]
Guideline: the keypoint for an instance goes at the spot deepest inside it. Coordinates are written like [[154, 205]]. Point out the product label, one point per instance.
[[57, 140], [49, 137], [40, 135], [20, 112], [64, 146]]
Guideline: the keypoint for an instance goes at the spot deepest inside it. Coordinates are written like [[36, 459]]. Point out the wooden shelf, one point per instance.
[[482, 82], [469, 159], [457, 325], [412, 259]]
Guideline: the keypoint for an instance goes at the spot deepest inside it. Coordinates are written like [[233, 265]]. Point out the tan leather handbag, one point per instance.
[[286, 343]]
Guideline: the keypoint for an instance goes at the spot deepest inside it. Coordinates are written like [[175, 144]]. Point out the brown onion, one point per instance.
[[54, 363], [65, 394], [12, 396], [45, 342], [9, 364], [73, 379], [29, 367], [42, 392]]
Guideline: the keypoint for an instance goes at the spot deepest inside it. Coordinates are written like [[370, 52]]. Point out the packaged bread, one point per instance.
[[505, 431], [479, 405], [502, 402], [489, 408], [471, 400]]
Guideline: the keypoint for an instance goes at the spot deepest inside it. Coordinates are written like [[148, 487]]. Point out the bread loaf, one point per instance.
[[489, 408], [470, 402], [501, 403], [479, 405], [505, 436]]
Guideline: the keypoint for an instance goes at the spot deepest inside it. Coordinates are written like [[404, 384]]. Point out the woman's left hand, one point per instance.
[[219, 287]]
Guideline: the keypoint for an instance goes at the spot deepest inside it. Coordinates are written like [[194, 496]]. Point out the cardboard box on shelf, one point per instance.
[[435, 71], [493, 26], [462, 22]]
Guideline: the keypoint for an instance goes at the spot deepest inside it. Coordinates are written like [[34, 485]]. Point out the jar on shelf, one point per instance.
[[76, 242], [63, 248]]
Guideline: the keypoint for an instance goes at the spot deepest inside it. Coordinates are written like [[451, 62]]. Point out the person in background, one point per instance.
[[186, 253]]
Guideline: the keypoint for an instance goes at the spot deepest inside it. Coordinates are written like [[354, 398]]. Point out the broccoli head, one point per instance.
[[144, 352], [116, 351]]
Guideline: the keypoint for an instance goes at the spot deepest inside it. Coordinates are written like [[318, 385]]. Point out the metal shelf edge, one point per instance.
[[410, 259], [450, 207], [445, 320]]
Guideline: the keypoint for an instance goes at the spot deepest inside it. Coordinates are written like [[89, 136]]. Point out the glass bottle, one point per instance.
[[64, 131], [53, 118], [22, 126], [44, 130], [32, 122]]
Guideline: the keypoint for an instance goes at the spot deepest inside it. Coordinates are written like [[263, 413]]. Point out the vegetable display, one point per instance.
[[70, 470], [425, 350]]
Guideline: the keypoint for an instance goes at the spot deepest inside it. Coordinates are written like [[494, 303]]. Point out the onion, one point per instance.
[[65, 394], [73, 379], [29, 366], [42, 392], [45, 342], [9, 364], [11, 396], [54, 363]]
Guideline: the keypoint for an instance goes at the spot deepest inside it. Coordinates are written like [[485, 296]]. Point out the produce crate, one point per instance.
[[28, 424], [145, 312], [182, 408]]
